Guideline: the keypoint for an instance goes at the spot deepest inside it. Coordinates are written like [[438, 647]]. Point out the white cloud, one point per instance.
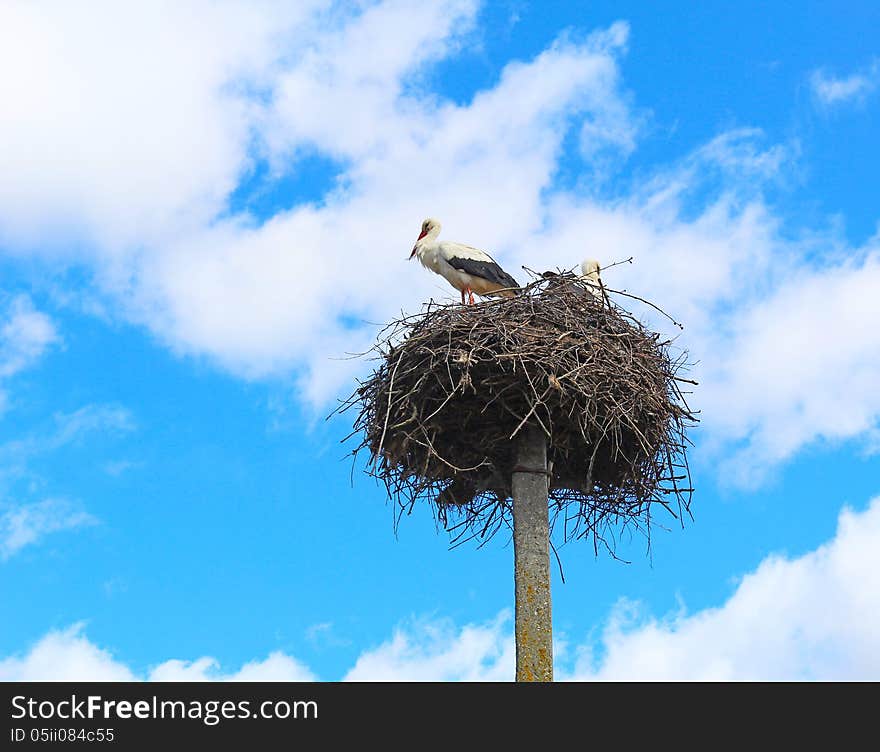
[[120, 124], [64, 655], [830, 90], [816, 616], [423, 651], [25, 334], [24, 524], [276, 667], [68, 655], [802, 366], [123, 127], [438, 651], [344, 95]]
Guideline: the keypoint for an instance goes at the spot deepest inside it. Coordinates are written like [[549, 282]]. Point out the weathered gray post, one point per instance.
[[531, 554]]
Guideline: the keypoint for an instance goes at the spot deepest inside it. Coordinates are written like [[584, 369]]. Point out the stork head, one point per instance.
[[590, 268], [429, 227]]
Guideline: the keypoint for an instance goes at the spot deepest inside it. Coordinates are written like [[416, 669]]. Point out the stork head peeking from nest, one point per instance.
[[590, 275]]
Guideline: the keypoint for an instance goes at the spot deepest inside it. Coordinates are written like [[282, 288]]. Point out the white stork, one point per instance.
[[467, 269], [590, 276]]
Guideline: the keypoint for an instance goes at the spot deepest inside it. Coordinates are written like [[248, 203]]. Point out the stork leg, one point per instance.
[[470, 296], [462, 297]]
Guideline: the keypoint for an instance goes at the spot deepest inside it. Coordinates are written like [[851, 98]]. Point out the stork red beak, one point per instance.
[[415, 247]]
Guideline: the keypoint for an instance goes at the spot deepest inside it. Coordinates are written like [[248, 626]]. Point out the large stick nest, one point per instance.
[[456, 385]]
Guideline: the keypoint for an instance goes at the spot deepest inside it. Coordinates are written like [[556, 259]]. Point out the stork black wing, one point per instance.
[[483, 269]]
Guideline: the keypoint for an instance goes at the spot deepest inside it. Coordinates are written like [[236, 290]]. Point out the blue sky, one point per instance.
[[203, 209]]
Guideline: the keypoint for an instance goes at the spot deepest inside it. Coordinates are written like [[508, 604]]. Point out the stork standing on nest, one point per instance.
[[468, 270]]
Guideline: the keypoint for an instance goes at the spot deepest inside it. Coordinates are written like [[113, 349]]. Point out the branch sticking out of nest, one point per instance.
[[456, 384]]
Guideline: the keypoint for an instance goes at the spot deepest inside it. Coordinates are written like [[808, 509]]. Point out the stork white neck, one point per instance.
[[590, 269], [427, 240]]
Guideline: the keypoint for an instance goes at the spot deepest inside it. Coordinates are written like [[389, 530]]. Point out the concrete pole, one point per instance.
[[531, 554]]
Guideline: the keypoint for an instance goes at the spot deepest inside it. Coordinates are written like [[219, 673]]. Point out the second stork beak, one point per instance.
[[413, 252]]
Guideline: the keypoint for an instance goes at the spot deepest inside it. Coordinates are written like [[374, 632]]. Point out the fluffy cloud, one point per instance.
[[801, 366], [423, 651], [120, 125], [438, 651], [25, 334], [24, 524], [276, 667], [120, 128], [815, 616], [830, 90], [68, 655], [64, 655]]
